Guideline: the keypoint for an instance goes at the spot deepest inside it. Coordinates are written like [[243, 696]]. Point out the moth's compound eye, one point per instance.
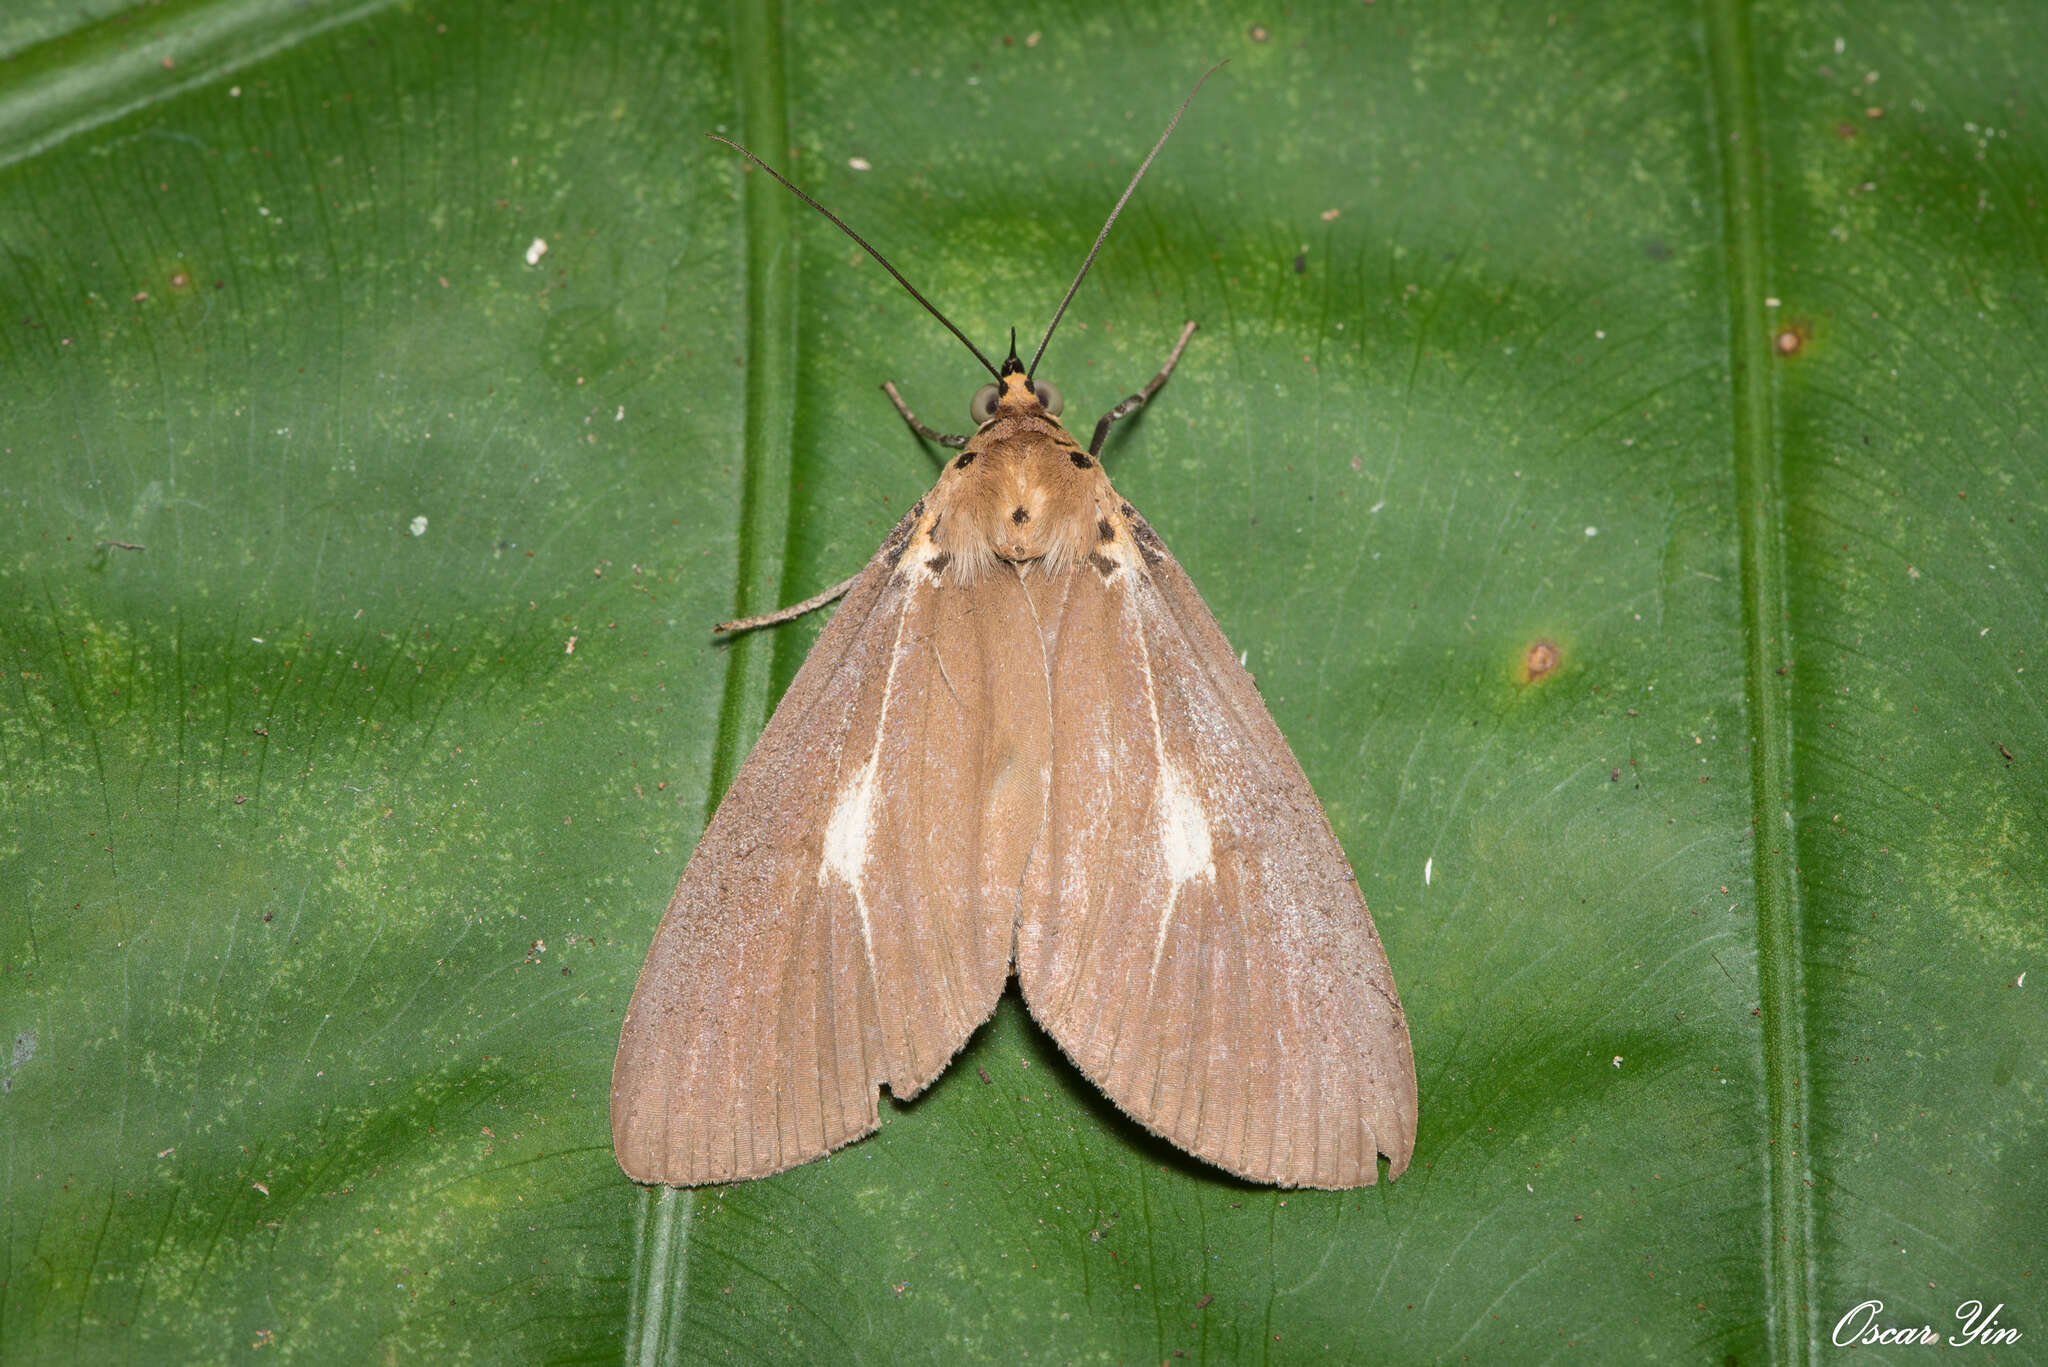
[[983, 406], [1048, 395]]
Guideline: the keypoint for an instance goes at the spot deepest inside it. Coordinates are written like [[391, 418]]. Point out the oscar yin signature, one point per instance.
[[1861, 1328]]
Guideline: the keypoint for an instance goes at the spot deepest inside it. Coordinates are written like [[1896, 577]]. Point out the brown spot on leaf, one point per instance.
[[1791, 338], [1541, 658]]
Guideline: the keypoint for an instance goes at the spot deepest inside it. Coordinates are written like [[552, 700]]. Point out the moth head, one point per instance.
[[1014, 387]]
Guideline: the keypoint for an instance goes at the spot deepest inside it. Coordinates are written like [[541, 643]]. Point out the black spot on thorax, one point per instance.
[[1019, 516], [937, 564], [1081, 462], [964, 461]]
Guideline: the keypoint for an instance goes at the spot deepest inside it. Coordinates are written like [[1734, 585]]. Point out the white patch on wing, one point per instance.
[[1184, 841], [846, 845], [846, 832], [853, 814], [1183, 828]]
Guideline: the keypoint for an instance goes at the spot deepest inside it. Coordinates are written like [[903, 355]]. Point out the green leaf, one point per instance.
[[358, 711]]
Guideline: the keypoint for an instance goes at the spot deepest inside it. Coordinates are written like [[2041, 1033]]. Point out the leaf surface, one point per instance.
[[1615, 438]]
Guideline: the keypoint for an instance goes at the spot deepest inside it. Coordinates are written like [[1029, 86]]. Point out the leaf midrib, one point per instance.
[[1788, 1221], [659, 1307]]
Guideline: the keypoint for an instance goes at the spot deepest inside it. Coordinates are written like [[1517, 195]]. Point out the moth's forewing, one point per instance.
[[835, 929], [1208, 960]]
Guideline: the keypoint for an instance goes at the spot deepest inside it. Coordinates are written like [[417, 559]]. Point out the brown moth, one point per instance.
[[1021, 745]]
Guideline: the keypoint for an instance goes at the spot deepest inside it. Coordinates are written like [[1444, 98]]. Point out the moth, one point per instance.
[[1022, 745]]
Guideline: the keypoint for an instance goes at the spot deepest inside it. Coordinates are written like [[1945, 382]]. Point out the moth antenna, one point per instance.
[[1139, 175], [838, 223]]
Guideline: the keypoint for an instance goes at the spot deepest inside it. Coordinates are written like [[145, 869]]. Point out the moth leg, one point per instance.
[[788, 614], [1137, 400], [942, 438]]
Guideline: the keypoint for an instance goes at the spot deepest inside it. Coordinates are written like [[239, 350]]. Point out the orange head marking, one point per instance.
[[1014, 394]]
